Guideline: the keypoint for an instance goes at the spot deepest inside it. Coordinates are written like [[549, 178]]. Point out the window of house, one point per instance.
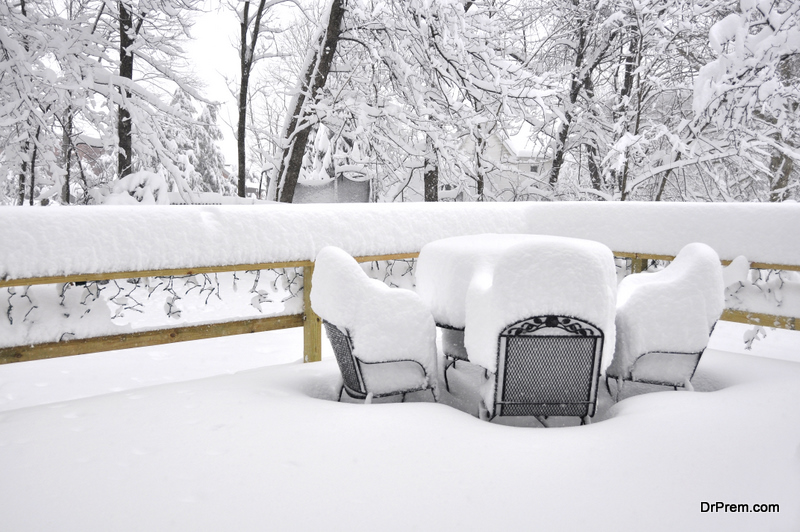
[[535, 168]]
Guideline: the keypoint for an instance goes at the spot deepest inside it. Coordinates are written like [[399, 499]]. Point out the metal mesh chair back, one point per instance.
[[548, 366], [343, 350]]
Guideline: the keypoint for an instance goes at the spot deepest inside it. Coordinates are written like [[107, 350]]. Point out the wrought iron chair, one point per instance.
[[540, 328], [405, 376], [384, 338], [665, 319], [547, 366], [660, 368], [452, 348]]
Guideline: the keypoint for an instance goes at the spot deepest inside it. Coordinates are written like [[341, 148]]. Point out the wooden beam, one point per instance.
[[177, 272], [146, 338], [770, 266], [757, 318], [312, 324], [642, 256], [754, 265], [393, 256]]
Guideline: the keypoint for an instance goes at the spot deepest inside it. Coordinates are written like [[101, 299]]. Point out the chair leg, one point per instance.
[[614, 396], [403, 400], [541, 419], [483, 412], [368, 400], [446, 367], [435, 400], [341, 392]]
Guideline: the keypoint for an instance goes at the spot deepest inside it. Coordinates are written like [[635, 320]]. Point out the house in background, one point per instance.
[[523, 168], [521, 153]]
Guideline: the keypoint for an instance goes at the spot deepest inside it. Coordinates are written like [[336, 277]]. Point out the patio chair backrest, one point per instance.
[[343, 350], [548, 366]]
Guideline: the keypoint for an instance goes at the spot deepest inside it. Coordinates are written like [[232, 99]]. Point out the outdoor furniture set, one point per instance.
[[542, 315]]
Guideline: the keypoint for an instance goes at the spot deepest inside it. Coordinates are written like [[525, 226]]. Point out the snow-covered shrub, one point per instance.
[[139, 188]]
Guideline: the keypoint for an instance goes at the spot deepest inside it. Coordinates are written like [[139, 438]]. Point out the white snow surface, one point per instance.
[[540, 276], [57, 241], [672, 310], [385, 324], [447, 267], [233, 434], [736, 272], [723, 31]]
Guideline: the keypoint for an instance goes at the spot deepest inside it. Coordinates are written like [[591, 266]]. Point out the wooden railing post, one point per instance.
[[312, 324], [638, 265]]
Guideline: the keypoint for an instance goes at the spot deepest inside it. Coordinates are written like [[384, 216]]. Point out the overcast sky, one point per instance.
[[215, 57]]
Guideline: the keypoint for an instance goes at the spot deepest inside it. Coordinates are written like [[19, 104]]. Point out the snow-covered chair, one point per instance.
[[539, 326], [664, 320], [384, 338]]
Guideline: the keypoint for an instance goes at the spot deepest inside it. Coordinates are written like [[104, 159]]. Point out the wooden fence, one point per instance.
[[311, 323]]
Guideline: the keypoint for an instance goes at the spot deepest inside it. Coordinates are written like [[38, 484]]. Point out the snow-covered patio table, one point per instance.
[[449, 268], [446, 269], [456, 277]]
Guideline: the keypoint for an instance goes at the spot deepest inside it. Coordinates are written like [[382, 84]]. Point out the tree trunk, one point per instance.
[[663, 184], [296, 134], [623, 106], [126, 38], [431, 180], [22, 176], [574, 90], [33, 167], [594, 168], [781, 165], [246, 60], [66, 150], [25, 145], [581, 80], [241, 132], [561, 148]]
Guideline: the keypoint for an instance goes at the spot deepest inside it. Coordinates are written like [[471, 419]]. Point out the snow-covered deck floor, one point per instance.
[[236, 434]]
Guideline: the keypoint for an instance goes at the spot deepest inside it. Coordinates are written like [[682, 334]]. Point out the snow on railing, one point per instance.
[[167, 255]]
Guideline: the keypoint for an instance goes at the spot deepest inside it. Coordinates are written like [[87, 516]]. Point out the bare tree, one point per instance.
[[313, 78]]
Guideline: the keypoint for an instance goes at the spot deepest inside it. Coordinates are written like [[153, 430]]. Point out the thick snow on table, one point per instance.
[[447, 267]]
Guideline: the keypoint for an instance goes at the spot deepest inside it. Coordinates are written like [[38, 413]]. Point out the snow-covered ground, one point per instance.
[[237, 434]]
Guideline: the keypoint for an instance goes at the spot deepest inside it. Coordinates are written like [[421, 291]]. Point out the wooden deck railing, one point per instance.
[[311, 323]]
